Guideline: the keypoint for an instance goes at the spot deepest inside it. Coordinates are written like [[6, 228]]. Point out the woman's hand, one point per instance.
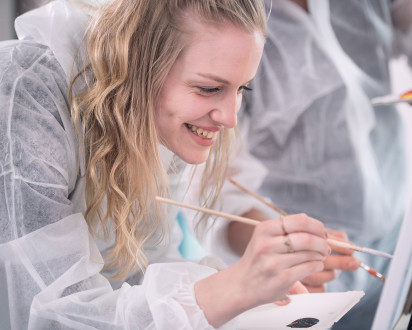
[[270, 267], [334, 264], [280, 253]]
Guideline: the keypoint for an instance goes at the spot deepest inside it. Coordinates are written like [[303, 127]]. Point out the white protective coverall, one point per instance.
[[50, 266], [328, 152]]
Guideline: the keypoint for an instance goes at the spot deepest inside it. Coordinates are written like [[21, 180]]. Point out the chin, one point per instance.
[[195, 158]]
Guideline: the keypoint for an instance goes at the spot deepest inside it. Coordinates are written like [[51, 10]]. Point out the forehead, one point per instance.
[[196, 27], [215, 43]]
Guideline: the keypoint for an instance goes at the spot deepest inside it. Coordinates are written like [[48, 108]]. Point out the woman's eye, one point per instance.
[[208, 90], [244, 88], [214, 90]]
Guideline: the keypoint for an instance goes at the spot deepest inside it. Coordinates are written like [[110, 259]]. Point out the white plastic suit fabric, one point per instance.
[[50, 266], [309, 120]]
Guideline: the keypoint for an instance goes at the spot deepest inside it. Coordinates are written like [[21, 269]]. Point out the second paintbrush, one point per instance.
[[333, 242]]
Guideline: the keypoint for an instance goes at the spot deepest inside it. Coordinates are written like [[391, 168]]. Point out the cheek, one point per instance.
[[168, 122], [165, 110], [170, 104], [177, 106], [162, 120]]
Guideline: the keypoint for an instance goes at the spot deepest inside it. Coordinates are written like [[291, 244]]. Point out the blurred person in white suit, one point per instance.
[[327, 151]]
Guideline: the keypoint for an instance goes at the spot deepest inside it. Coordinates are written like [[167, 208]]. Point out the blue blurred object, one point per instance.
[[189, 248]]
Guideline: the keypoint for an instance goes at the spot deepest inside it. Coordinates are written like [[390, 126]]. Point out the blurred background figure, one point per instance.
[[310, 120], [328, 151], [9, 10]]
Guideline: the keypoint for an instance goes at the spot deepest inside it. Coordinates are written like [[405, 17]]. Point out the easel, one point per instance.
[[395, 304]]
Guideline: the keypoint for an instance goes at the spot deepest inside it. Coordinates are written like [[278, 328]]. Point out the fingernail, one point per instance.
[[285, 299], [329, 250], [326, 234]]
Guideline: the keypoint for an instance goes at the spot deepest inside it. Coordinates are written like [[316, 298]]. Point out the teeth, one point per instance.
[[201, 132]]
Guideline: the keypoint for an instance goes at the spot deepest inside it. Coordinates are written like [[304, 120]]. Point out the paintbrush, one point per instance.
[[372, 271], [333, 242], [209, 211], [253, 223]]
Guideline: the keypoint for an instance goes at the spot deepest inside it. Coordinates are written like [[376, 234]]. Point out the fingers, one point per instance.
[[339, 236], [290, 234], [290, 245], [287, 261], [316, 289], [303, 270], [302, 223], [284, 301], [281, 252], [333, 265], [344, 262], [320, 279], [293, 224], [297, 288], [297, 242]]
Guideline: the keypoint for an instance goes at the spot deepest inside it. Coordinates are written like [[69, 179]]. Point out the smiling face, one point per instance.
[[203, 90]]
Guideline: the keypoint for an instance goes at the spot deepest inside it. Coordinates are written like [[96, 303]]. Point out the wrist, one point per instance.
[[220, 296]]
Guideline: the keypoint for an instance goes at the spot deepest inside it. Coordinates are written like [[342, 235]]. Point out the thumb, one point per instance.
[[296, 288]]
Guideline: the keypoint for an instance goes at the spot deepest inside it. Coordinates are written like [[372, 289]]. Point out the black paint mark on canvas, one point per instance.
[[306, 322]]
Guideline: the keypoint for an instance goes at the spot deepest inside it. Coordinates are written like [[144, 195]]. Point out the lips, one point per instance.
[[205, 134]]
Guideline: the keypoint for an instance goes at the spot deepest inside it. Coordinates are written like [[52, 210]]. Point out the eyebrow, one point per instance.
[[214, 77], [217, 78]]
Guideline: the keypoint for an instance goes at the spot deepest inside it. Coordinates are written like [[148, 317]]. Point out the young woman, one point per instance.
[[86, 148]]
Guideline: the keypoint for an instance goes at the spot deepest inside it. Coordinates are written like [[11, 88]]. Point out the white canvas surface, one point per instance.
[[328, 308]]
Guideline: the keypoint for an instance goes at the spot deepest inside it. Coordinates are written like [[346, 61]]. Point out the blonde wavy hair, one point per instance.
[[131, 47]]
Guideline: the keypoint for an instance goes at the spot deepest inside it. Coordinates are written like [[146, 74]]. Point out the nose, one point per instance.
[[225, 111]]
